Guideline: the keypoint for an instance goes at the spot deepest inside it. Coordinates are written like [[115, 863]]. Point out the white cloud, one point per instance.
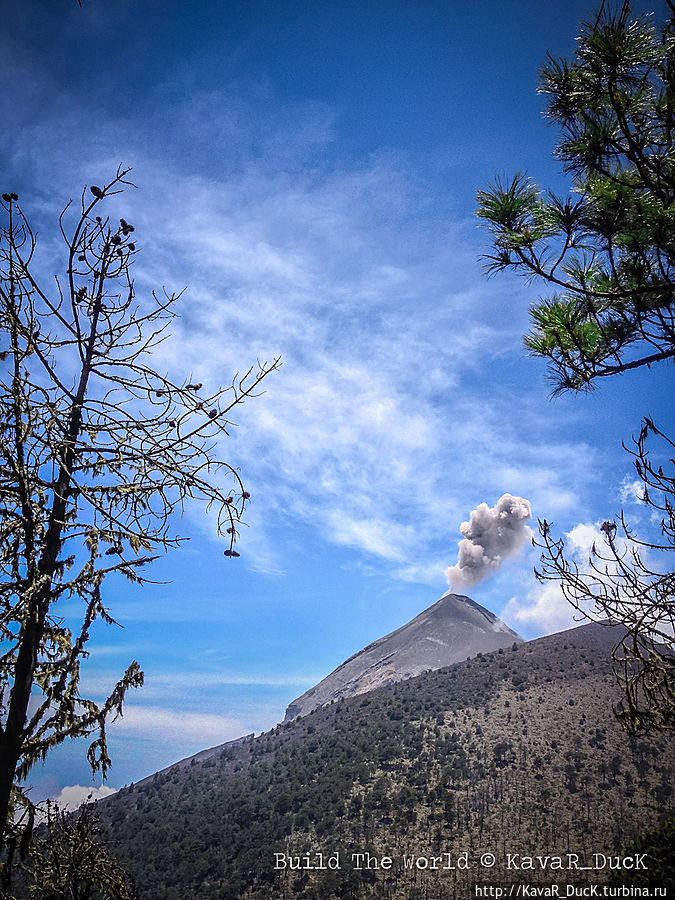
[[632, 491], [544, 608], [74, 795], [583, 537]]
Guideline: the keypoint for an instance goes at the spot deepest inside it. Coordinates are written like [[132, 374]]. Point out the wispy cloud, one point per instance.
[[383, 421], [150, 721], [167, 685], [632, 491]]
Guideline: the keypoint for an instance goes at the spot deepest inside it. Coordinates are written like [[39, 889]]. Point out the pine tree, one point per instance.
[[607, 253]]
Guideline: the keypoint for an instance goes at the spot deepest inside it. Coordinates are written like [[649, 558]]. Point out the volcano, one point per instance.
[[453, 629]]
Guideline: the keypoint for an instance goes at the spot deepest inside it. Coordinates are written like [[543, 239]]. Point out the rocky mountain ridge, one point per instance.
[[516, 751]]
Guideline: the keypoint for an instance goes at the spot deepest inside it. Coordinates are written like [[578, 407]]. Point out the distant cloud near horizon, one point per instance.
[[490, 536], [74, 795]]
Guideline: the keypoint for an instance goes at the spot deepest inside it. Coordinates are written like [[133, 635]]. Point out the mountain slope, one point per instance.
[[516, 751], [451, 630]]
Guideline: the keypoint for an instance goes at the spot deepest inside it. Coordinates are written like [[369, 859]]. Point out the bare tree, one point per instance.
[[98, 452], [626, 584]]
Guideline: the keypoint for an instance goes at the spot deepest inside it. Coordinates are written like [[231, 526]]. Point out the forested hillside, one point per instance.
[[516, 752]]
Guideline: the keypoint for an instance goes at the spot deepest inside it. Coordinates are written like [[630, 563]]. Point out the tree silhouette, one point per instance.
[[98, 452], [608, 253]]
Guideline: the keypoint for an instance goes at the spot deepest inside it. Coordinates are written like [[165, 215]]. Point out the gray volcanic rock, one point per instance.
[[451, 630]]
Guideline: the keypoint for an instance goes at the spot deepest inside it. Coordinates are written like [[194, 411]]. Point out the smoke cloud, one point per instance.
[[490, 536]]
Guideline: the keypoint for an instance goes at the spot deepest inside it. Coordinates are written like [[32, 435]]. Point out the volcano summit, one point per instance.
[[451, 630]]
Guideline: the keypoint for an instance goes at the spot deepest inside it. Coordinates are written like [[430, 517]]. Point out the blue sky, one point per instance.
[[309, 170]]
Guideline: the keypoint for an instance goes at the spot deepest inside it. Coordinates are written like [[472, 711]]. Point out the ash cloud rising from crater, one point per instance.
[[490, 536]]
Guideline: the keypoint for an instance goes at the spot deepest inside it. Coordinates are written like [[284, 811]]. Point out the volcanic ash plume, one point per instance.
[[490, 536]]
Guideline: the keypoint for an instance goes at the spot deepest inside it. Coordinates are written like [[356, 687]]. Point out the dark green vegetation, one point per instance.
[[659, 845], [69, 861], [607, 252], [516, 751]]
